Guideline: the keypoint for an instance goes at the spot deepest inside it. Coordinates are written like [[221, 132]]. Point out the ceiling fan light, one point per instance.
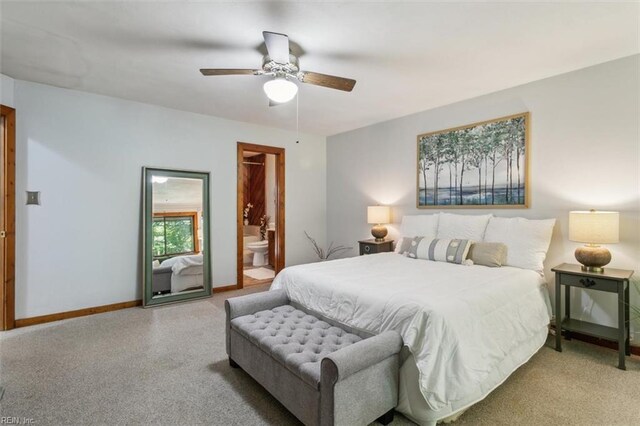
[[280, 90]]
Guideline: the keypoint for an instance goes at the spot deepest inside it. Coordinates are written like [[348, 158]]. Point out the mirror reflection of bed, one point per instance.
[[259, 217], [178, 262]]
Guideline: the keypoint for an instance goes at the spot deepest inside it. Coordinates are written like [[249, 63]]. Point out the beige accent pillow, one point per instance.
[[488, 254]]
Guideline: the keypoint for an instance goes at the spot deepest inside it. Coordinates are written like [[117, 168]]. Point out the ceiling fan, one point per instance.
[[281, 64]]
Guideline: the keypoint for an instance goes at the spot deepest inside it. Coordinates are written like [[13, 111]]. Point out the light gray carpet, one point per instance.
[[168, 365]]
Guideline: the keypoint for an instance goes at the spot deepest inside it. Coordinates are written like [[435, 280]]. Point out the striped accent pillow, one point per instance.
[[446, 250], [409, 247]]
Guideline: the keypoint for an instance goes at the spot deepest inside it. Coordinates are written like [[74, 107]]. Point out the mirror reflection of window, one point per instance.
[[175, 234], [176, 223]]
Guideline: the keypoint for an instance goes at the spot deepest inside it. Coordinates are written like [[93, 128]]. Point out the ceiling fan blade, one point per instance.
[[277, 46], [229, 71], [273, 104], [330, 81]]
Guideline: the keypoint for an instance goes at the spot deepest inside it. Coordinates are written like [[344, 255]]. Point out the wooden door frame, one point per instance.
[[280, 206], [8, 192]]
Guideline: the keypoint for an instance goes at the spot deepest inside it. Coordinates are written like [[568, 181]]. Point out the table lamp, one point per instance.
[[377, 215], [593, 228]]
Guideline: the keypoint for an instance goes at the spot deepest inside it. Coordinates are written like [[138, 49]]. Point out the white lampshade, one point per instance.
[[280, 90], [378, 214], [594, 227]]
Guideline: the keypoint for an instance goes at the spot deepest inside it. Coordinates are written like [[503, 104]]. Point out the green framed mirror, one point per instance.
[[176, 255]]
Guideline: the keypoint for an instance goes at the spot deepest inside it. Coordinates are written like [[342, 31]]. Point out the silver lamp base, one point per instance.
[[593, 258], [379, 232]]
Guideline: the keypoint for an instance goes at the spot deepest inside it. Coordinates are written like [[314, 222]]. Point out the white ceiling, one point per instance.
[[405, 57], [179, 192]]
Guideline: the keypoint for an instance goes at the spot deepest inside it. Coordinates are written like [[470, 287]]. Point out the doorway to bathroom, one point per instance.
[[260, 213]]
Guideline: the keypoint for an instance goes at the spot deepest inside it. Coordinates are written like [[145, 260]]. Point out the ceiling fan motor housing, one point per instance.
[[289, 69]]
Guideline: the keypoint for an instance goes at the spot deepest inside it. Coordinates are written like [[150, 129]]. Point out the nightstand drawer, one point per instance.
[[592, 283], [368, 249], [372, 246]]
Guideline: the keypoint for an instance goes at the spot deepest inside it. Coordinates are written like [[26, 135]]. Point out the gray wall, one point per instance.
[[6, 90], [584, 154], [84, 152]]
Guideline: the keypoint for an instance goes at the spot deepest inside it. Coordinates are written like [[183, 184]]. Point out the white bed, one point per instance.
[[187, 272], [467, 327]]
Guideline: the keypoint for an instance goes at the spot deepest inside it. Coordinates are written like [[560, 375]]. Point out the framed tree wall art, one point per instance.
[[480, 165]]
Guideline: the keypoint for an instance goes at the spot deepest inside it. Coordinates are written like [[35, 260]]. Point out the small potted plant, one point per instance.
[[264, 220], [636, 309], [326, 254], [246, 213]]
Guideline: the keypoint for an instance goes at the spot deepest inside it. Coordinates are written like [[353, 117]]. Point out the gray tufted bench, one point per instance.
[[325, 374]]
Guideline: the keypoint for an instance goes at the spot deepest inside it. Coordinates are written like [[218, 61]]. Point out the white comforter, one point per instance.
[[459, 322]]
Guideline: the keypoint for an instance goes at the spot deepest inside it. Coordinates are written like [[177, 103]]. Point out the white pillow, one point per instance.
[[424, 225], [462, 227], [527, 240]]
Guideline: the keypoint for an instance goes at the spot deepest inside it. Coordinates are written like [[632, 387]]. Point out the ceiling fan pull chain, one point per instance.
[[297, 116]]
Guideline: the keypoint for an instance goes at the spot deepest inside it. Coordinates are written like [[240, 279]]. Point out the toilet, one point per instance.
[[259, 249]]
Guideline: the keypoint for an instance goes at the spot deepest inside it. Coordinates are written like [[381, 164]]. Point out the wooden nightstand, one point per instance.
[[611, 281], [373, 246]]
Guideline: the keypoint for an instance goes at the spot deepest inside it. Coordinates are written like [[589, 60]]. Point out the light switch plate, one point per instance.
[[33, 198]]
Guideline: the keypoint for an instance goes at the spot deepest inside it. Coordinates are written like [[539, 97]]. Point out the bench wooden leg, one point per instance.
[[233, 364], [386, 418]]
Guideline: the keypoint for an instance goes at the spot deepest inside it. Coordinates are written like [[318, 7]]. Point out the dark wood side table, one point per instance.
[[372, 246], [611, 281]]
